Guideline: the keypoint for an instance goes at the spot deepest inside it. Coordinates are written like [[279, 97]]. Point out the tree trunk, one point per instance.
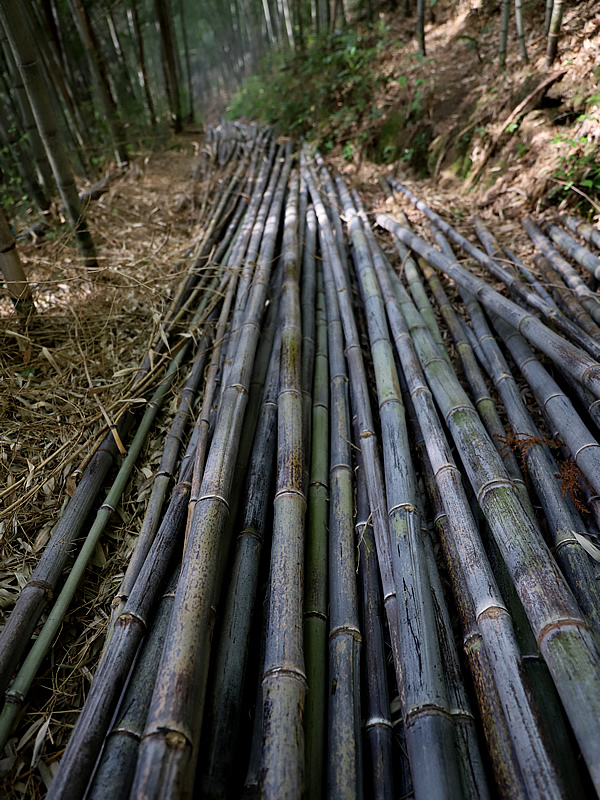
[[24, 51], [163, 16], [100, 78], [421, 26], [554, 31], [12, 269], [188, 67]]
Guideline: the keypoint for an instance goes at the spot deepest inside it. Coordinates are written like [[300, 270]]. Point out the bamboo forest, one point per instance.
[[299, 399]]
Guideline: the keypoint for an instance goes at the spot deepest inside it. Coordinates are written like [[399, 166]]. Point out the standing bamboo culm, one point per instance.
[[25, 55]]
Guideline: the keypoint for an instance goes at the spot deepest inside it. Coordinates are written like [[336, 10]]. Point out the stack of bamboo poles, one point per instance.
[[346, 507]]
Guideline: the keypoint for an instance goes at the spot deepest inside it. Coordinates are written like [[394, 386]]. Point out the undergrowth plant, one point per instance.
[[332, 82]]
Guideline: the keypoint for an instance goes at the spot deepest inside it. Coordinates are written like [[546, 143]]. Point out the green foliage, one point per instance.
[[333, 81], [577, 173]]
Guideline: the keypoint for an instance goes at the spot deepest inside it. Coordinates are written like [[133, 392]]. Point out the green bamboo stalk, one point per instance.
[[224, 710], [284, 679], [26, 675], [483, 402], [523, 292], [571, 359], [368, 439], [421, 300], [581, 254], [378, 722], [315, 579], [565, 640], [343, 749], [554, 31], [426, 709], [562, 518], [93, 723], [414, 345], [588, 233], [571, 277], [169, 747], [520, 30], [23, 49], [117, 762]]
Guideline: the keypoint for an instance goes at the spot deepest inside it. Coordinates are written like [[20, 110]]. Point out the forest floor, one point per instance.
[[75, 361]]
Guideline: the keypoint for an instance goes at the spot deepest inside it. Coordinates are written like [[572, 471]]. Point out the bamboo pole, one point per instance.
[[571, 359], [378, 722], [223, 713], [315, 580], [284, 679], [344, 777], [571, 277], [169, 747], [426, 707], [12, 270], [562, 518], [581, 254], [564, 639], [588, 232]]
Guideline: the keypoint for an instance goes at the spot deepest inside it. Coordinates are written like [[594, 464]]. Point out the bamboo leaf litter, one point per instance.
[[170, 715]]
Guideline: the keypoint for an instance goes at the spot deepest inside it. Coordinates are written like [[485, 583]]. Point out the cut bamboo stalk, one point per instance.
[[169, 747], [114, 773], [562, 519], [588, 232], [571, 277], [568, 357], [308, 223], [93, 723], [522, 291], [223, 713], [284, 679], [565, 640], [583, 447], [344, 778], [481, 397], [491, 616], [426, 709], [378, 721], [581, 254], [368, 439], [565, 297], [315, 579]]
